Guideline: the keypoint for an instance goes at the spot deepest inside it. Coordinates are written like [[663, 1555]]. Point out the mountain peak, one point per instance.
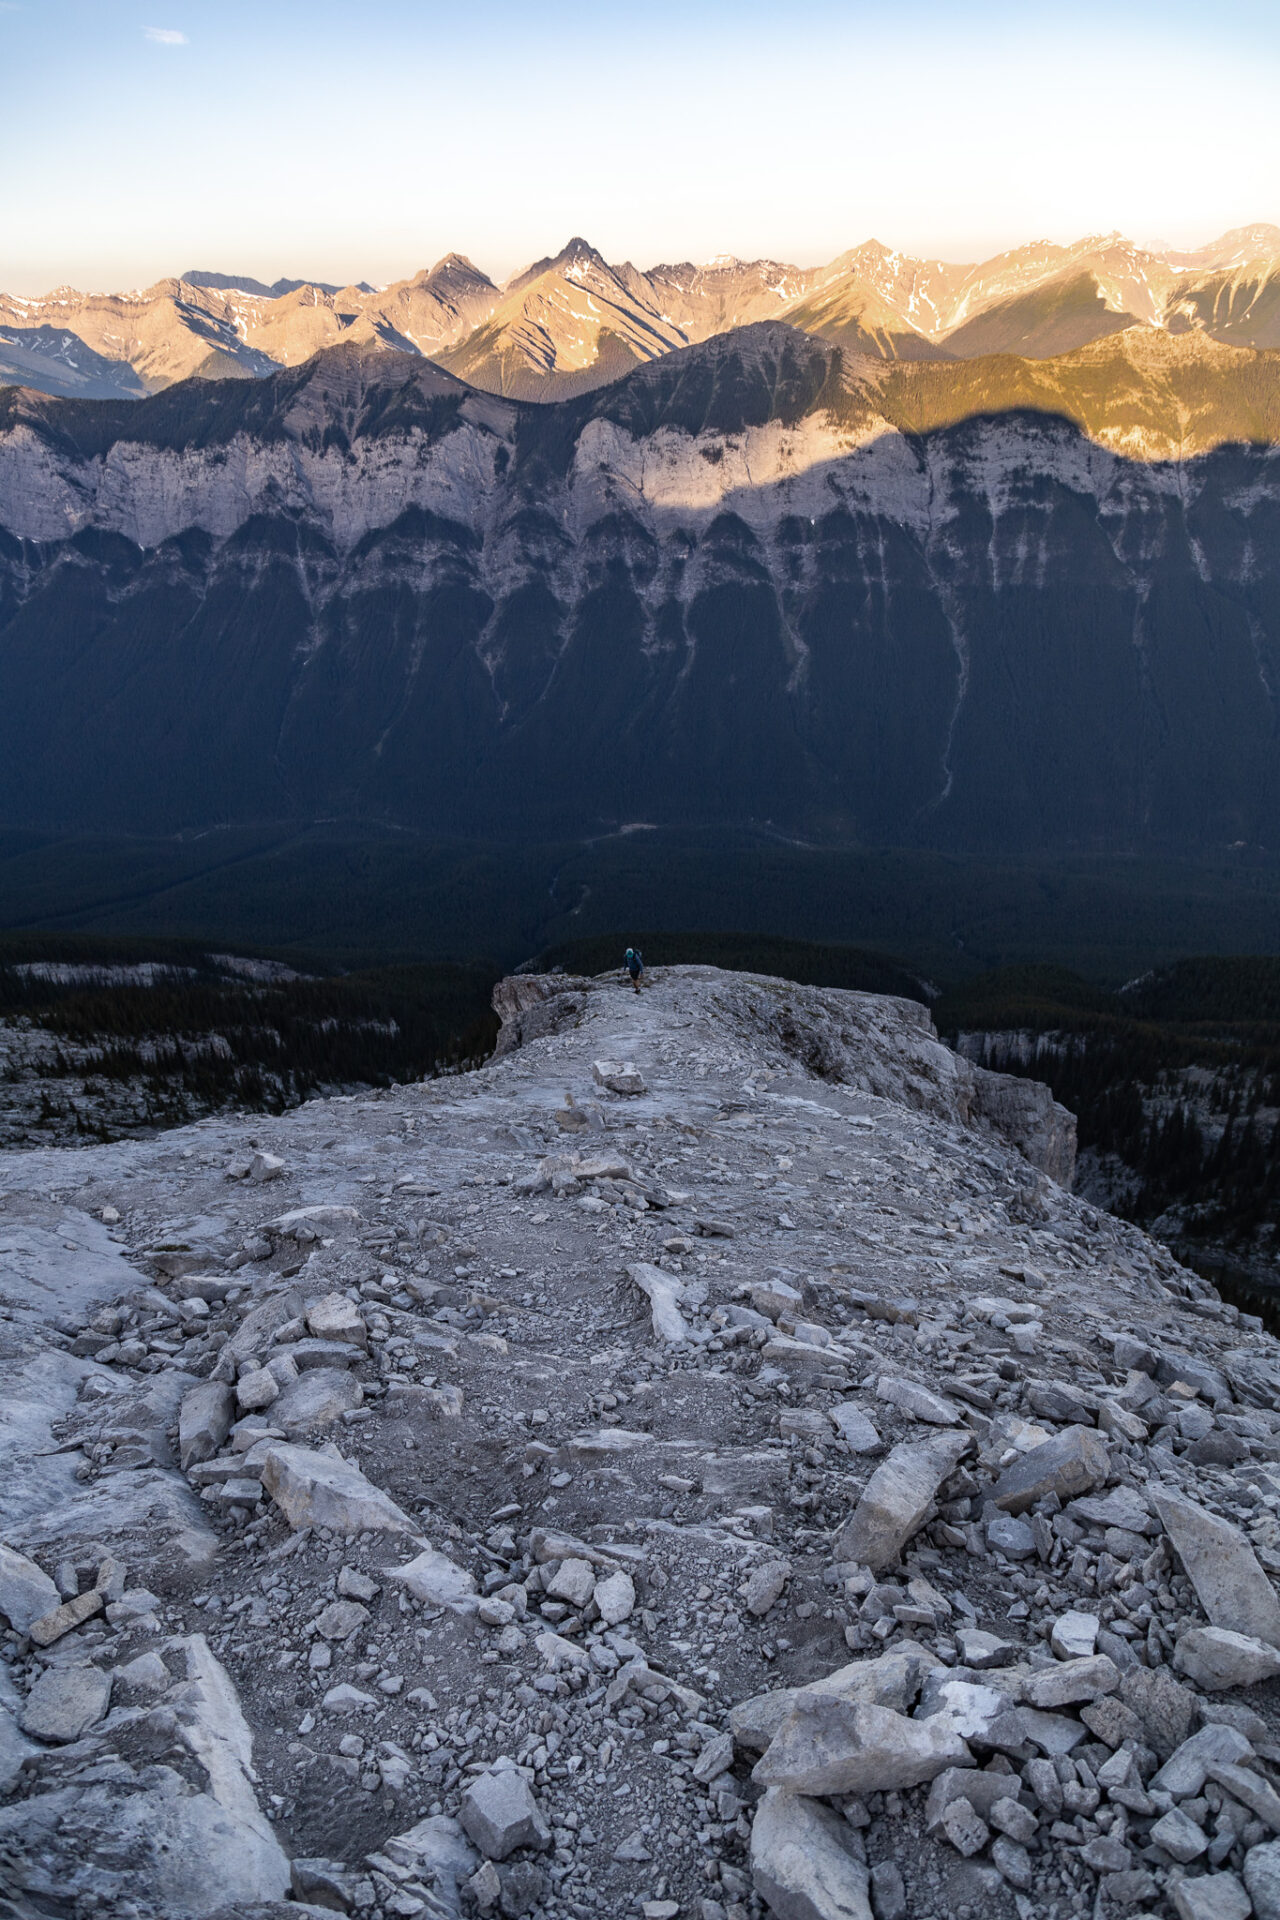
[[258, 289]]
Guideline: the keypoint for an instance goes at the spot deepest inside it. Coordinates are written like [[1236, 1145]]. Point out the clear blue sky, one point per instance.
[[363, 140]]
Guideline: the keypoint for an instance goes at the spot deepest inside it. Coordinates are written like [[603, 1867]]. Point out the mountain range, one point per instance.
[[998, 605], [573, 321]]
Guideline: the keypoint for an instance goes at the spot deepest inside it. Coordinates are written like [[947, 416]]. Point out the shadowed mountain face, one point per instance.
[[996, 605]]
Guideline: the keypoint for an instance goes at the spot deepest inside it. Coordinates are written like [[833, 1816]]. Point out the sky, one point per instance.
[[362, 139]]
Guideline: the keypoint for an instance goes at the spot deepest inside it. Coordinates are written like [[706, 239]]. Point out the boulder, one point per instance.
[[765, 1586], [1250, 1789], [966, 1831], [499, 1813], [1074, 1635], [891, 1680], [1217, 1659], [316, 1398], [336, 1318], [1071, 1682], [50, 1627], [340, 1619], [573, 1581], [917, 1401], [1208, 1381], [435, 1580], [26, 1593], [1069, 1464], [615, 1596], [435, 1850], [1185, 1771], [1180, 1837], [1010, 1536], [897, 1499], [827, 1745], [65, 1702], [1262, 1879], [1164, 1706], [256, 1389], [618, 1076], [775, 1297], [316, 1490], [1222, 1567], [803, 1863], [1210, 1896], [664, 1293], [854, 1428], [204, 1421], [984, 1791]]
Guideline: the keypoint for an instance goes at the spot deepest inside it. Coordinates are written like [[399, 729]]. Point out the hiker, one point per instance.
[[634, 966]]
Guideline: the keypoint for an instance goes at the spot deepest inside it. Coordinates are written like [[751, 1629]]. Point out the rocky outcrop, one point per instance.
[[532, 1005], [872, 1042]]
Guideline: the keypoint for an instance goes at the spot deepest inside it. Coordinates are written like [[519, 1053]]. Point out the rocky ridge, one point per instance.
[[695, 1466], [573, 321], [1003, 604]]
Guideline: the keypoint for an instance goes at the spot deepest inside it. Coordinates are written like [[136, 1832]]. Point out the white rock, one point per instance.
[[968, 1707], [65, 1702], [802, 1861], [315, 1490], [435, 1580], [615, 1596], [618, 1076], [574, 1582], [1217, 1659], [1074, 1636], [26, 1593], [256, 1390], [765, 1586], [499, 1813], [892, 1679], [827, 1745], [896, 1500], [854, 1428], [664, 1292], [1222, 1567], [336, 1318], [918, 1401]]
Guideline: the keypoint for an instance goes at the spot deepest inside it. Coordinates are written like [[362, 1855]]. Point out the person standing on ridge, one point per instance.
[[634, 966]]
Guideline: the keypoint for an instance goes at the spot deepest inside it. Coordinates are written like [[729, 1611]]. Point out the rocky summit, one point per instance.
[[704, 1463]]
